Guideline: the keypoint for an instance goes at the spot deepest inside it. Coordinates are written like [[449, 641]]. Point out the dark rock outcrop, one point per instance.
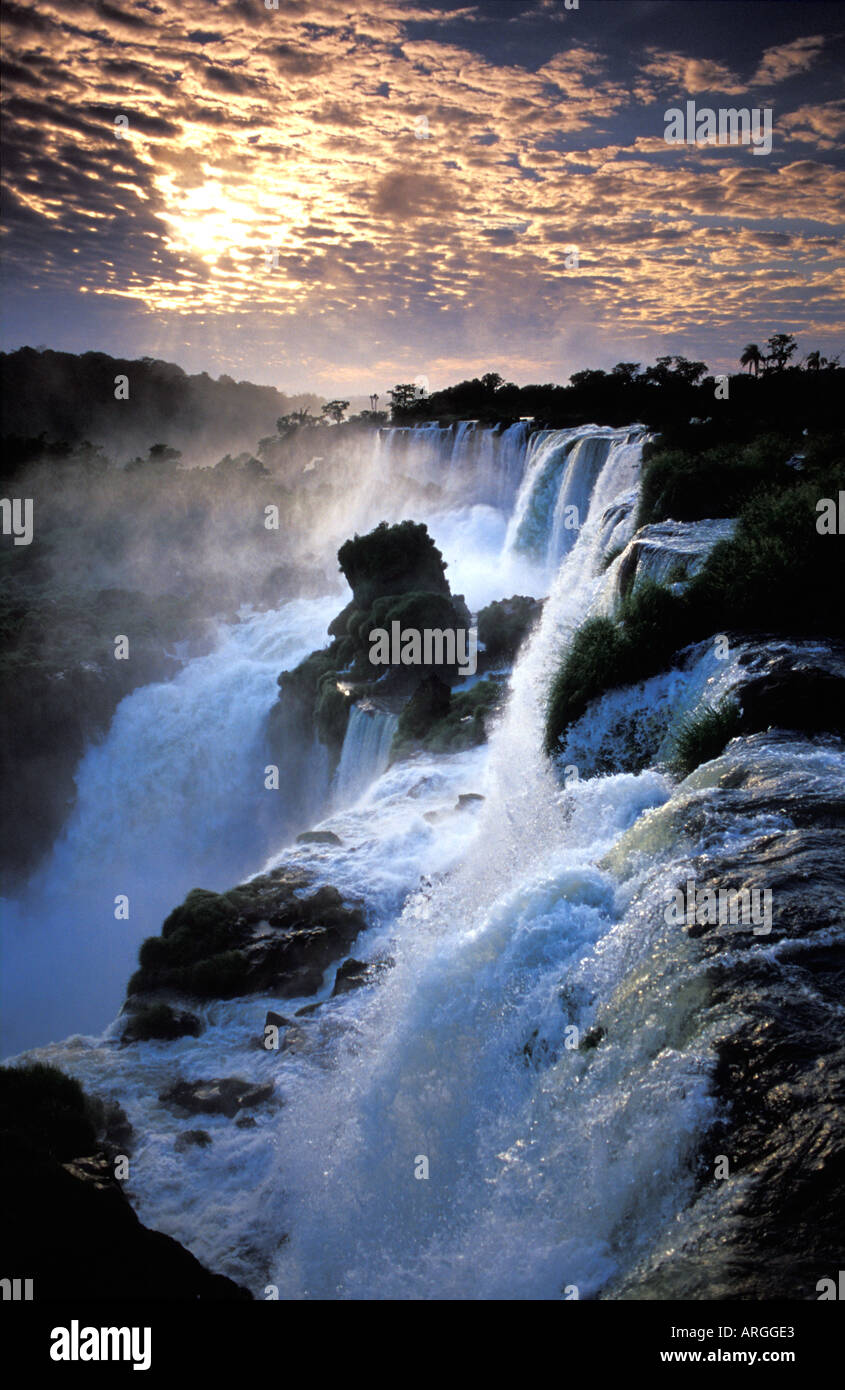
[[223, 1096], [269, 935], [66, 1222], [318, 837], [192, 1139], [160, 1021]]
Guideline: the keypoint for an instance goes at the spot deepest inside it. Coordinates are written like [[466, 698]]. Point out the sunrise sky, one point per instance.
[[423, 171]]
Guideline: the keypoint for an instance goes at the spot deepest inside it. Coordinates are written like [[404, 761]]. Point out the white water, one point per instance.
[[365, 753], [548, 1166], [172, 799]]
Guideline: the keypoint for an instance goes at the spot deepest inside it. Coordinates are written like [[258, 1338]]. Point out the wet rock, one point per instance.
[[350, 975], [270, 935], [160, 1021], [318, 837], [192, 1138], [808, 698], [246, 1122], [220, 1097], [276, 1020], [669, 552], [112, 1124], [770, 815], [96, 1170], [467, 799]]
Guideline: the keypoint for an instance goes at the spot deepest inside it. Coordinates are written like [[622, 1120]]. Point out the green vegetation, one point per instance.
[[153, 1021], [392, 560], [460, 722], [605, 654], [704, 735], [777, 574], [504, 625], [43, 1108], [691, 484]]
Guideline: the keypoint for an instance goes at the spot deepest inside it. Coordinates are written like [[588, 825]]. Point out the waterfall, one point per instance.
[[365, 752], [504, 931], [557, 486], [469, 461], [173, 798], [439, 1133]]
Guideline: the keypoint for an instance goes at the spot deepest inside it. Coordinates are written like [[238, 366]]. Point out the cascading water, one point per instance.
[[173, 797], [365, 752], [459, 1056], [438, 1132]]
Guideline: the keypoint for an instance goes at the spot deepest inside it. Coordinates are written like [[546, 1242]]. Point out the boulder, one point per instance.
[[160, 1021], [267, 936], [225, 1096], [192, 1139]]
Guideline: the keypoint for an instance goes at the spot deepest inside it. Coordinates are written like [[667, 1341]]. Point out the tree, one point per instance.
[[295, 419], [815, 361], [751, 357], [781, 346], [491, 381], [402, 397], [669, 371], [626, 371], [335, 410]]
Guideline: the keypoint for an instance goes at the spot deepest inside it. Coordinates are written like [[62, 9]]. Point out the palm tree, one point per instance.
[[751, 357], [815, 361]]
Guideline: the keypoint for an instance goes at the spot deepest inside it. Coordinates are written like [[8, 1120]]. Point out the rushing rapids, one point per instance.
[[538, 1032]]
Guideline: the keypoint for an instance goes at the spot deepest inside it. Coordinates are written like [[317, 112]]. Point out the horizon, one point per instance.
[[336, 198]]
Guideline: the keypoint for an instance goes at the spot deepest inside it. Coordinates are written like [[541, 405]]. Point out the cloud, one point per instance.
[[787, 59], [691, 75], [822, 125], [300, 129]]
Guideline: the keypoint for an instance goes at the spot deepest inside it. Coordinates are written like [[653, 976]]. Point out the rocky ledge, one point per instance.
[[67, 1221], [276, 934]]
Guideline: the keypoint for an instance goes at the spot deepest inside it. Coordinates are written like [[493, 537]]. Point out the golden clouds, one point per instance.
[[331, 159]]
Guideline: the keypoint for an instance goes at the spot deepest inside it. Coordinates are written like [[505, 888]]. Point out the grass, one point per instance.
[[705, 734]]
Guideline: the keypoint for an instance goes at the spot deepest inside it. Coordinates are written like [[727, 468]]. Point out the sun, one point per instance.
[[210, 222]]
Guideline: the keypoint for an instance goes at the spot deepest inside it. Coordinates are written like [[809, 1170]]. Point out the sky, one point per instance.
[[337, 196]]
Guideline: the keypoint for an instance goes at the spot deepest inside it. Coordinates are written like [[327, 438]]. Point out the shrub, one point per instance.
[[42, 1106], [605, 654], [160, 1021], [777, 573], [440, 723], [592, 665], [392, 560], [686, 485], [504, 625], [704, 734]]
